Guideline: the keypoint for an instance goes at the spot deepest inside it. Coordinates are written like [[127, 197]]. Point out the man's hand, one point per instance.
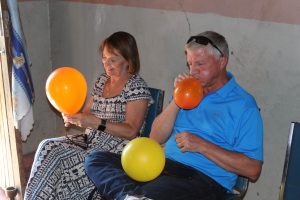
[[230, 160], [180, 77], [187, 142]]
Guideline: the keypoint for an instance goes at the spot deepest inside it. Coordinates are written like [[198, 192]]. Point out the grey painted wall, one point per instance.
[[35, 20], [264, 58]]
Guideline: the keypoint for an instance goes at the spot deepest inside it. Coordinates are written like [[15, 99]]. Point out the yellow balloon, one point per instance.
[[143, 159]]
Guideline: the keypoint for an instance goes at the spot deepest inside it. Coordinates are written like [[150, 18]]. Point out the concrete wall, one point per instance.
[[35, 19], [264, 43]]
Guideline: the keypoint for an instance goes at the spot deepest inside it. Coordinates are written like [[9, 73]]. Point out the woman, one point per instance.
[[3, 195], [114, 114]]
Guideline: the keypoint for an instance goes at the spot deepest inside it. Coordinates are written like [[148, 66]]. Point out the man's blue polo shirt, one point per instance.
[[229, 118]]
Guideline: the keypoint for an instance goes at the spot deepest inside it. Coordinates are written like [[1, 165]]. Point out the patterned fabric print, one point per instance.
[[114, 108], [58, 171]]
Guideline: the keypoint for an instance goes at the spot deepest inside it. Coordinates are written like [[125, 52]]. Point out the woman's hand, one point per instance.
[[81, 119], [2, 194]]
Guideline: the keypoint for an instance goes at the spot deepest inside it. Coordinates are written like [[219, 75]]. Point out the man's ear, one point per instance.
[[223, 62]]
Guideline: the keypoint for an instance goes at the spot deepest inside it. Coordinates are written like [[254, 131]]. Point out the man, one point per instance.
[[206, 147]]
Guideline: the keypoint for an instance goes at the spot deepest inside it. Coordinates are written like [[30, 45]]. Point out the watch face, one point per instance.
[[101, 127]]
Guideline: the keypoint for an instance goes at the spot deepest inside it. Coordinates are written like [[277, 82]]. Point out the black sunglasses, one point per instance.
[[204, 41]]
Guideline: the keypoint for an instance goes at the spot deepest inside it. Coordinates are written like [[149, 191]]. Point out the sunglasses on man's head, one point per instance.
[[204, 41]]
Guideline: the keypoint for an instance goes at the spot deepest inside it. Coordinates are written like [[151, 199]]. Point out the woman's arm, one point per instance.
[[134, 118], [87, 106], [129, 129]]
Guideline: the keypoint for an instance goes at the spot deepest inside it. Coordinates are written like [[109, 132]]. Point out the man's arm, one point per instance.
[[235, 162], [163, 124]]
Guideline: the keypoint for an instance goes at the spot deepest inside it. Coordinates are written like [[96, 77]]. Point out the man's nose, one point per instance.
[[192, 70]]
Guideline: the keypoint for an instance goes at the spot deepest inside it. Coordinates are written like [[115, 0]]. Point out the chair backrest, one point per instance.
[[154, 109], [239, 189], [290, 183]]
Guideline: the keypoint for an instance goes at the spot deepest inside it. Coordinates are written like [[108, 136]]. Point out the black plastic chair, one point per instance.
[[154, 109], [290, 183], [239, 190]]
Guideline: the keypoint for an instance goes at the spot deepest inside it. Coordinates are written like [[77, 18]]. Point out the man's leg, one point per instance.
[[178, 182], [166, 188], [105, 170]]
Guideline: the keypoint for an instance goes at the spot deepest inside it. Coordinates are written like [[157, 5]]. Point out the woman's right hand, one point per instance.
[[81, 119], [67, 124]]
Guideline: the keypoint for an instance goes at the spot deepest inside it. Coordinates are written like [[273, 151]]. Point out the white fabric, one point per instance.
[[128, 197], [22, 87]]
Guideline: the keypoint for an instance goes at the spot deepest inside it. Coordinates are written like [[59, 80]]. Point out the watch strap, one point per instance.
[[102, 125]]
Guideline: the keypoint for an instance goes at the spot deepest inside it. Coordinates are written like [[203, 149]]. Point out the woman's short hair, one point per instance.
[[126, 45]]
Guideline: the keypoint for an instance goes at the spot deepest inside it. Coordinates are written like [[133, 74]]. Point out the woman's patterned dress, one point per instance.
[[58, 171]]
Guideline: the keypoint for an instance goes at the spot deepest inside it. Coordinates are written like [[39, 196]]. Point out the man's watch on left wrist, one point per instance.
[[102, 125]]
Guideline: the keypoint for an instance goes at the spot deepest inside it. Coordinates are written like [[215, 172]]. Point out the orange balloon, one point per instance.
[[188, 93], [66, 90]]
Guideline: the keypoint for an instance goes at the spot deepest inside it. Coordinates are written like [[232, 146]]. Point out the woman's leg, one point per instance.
[[57, 172]]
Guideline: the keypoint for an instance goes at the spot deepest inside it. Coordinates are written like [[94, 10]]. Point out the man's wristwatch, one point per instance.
[[102, 125]]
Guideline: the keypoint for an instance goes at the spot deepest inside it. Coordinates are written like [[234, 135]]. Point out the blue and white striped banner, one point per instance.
[[22, 86]]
